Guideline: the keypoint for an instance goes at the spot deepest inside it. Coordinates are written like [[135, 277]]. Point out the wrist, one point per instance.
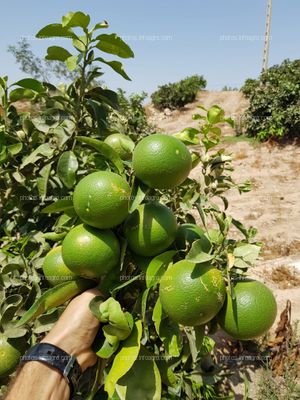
[[67, 343], [46, 383]]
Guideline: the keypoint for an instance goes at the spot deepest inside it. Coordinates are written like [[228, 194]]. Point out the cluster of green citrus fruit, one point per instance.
[[191, 294], [101, 201]]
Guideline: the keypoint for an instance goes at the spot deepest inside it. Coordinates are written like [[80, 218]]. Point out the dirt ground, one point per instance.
[[273, 205]]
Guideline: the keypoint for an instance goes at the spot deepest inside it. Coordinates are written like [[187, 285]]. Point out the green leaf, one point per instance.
[[105, 150], [195, 337], [196, 254], [44, 150], [45, 322], [13, 333], [42, 181], [157, 267], [53, 236], [3, 154], [15, 149], [117, 66], [142, 381], [168, 332], [167, 375], [189, 136], [20, 94], [8, 309], [103, 347], [75, 19], [71, 63], [113, 44], [230, 121], [57, 53], [144, 304], [110, 311], [108, 96], [55, 30], [101, 25], [58, 206], [208, 345], [98, 112], [31, 84], [55, 297], [246, 255], [124, 359], [196, 159], [215, 115], [67, 167], [80, 43], [128, 282], [138, 193]]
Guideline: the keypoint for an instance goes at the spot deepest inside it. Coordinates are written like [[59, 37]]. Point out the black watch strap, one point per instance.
[[56, 358]]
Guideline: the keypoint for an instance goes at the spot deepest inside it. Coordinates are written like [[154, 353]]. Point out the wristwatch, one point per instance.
[[57, 358]]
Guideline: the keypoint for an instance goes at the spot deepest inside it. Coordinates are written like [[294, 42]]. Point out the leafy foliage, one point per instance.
[[131, 119], [274, 110], [43, 153], [176, 95]]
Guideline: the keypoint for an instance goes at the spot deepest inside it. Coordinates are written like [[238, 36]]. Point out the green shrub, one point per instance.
[[131, 119], [274, 110], [176, 95]]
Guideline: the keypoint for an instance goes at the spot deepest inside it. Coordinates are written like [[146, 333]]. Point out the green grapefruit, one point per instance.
[[188, 233], [54, 268], [101, 199], [192, 294], [161, 161], [150, 229], [10, 352], [90, 252], [122, 144], [251, 314]]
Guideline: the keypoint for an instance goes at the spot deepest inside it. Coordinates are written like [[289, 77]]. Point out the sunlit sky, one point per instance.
[[223, 40]]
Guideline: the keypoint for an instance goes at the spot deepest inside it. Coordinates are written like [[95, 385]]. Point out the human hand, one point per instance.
[[76, 329]]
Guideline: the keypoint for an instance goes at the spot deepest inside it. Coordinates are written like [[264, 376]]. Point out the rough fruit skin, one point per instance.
[[150, 229], [10, 352], [189, 233], [101, 199], [54, 268], [192, 294], [122, 144], [161, 161], [251, 314], [89, 252]]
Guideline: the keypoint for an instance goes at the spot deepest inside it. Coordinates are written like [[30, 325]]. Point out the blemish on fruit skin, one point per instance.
[[177, 152], [87, 209], [205, 287], [118, 189], [168, 288], [185, 306], [215, 281], [198, 299]]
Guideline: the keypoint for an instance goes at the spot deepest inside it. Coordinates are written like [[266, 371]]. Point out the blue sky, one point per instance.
[[171, 39]]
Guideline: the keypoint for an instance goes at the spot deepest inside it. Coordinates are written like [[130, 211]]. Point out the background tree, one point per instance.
[[37, 67]]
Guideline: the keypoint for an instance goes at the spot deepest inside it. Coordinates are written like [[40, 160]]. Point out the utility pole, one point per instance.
[[267, 36]]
